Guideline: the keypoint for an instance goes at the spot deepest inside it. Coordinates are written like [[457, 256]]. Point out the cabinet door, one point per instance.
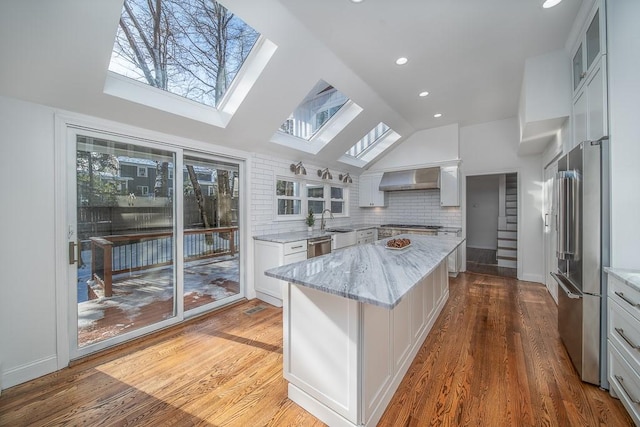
[[579, 119], [369, 194], [578, 67], [449, 192], [596, 104]]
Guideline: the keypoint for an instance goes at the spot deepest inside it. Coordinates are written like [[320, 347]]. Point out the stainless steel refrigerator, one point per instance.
[[582, 189]]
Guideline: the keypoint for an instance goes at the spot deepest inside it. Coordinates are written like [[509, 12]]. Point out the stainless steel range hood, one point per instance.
[[414, 179]]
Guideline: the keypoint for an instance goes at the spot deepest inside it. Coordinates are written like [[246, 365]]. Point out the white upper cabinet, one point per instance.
[[590, 47], [369, 194], [589, 112], [449, 186]]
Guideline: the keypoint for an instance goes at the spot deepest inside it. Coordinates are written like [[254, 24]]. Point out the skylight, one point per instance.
[[191, 48], [360, 147], [370, 146], [322, 103]]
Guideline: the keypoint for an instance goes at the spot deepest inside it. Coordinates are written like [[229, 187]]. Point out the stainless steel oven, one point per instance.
[[318, 246]]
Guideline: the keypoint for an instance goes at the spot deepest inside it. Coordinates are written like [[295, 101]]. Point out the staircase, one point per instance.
[[507, 253]]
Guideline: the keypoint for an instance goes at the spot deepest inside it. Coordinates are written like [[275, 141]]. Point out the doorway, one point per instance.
[[492, 224], [154, 237]]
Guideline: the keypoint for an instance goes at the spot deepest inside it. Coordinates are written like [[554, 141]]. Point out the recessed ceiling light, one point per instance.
[[425, 93], [550, 3], [402, 60], [437, 115], [356, 1]]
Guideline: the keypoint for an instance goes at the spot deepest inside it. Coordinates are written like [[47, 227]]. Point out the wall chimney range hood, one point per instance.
[[414, 179]]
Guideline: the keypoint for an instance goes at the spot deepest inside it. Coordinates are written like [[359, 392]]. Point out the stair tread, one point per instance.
[[508, 258]]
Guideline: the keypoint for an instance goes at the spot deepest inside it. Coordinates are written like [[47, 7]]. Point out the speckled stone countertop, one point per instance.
[[630, 277], [302, 235], [371, 273]]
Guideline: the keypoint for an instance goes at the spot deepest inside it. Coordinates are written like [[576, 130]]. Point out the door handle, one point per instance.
[[560, 280], [72, 253], [546, 220]]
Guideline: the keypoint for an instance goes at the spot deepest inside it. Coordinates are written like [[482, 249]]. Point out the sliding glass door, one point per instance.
[[153, 237], [211, 201]]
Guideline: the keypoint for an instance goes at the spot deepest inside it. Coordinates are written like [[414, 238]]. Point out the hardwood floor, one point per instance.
[[484, 261], [493, 358]]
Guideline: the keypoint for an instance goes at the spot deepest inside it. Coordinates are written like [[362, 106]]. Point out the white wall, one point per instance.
[[264, 170], [424, 147], [490, 148], [623, 44], [27, 270], [482, 211]]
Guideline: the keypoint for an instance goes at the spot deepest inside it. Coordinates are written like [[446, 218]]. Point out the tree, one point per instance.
[[92, 190], [190, 47]]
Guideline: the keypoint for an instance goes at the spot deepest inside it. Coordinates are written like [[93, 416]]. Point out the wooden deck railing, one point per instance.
[[132, 252]]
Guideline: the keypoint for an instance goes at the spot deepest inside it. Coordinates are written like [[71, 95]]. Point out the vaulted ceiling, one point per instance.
[[468, 54]]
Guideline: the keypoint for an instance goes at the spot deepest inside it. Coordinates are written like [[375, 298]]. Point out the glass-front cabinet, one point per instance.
[[590, 46]]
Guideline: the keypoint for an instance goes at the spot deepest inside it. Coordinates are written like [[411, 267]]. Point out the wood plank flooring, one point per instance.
[[493, 358]]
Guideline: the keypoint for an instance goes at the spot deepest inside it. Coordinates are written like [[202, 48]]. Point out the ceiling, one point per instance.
[[468, 54]]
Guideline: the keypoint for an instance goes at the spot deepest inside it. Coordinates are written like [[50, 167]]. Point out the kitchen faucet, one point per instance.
[[322, 222]]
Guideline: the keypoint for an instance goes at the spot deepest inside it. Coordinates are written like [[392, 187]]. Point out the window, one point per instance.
[[142, 171], [190, 48], [142, 190], [368, 140], [370, 146], [338, 200], [317, 196], [288, 198], [314, 111]]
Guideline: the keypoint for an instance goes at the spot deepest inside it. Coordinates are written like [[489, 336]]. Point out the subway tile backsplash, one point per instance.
[[414, 207], [404, 207]]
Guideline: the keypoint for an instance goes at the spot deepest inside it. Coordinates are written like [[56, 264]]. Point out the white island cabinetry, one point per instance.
[[351, 331], [274, 254]]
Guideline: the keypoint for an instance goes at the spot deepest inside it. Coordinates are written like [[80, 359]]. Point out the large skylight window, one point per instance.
[[191, 48], [322, 103], [360, 147]]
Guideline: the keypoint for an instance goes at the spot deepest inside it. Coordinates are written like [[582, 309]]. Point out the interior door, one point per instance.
[[122, 239], [550, 228]]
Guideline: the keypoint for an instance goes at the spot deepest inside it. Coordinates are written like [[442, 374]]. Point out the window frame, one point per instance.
[[304, 199], [140, 173]]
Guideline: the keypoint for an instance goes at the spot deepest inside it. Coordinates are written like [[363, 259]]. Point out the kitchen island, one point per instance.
[[354, 320]]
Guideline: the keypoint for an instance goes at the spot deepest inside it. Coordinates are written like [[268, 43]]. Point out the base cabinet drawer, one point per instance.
[[624, 330], [624, 383]]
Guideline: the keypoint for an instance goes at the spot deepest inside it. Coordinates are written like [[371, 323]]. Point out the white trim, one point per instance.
[[66, 122], [23, 373]]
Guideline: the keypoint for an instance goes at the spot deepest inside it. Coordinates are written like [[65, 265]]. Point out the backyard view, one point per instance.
[[127, 277]]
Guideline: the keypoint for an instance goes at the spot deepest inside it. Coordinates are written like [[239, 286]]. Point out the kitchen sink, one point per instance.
[[338, 230]]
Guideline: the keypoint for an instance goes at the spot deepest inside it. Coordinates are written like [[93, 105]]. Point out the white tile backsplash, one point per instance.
[[414, 207], [405, 207]]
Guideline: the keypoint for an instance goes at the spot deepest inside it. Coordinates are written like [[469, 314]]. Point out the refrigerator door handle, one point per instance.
[[564, 283]]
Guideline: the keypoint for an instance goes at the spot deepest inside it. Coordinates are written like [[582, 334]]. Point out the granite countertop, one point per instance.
[[303, 235], [630, 277], [371, 273]]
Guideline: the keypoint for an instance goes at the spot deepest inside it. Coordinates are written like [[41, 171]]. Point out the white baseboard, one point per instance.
[[30, 371], [538, 278]]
